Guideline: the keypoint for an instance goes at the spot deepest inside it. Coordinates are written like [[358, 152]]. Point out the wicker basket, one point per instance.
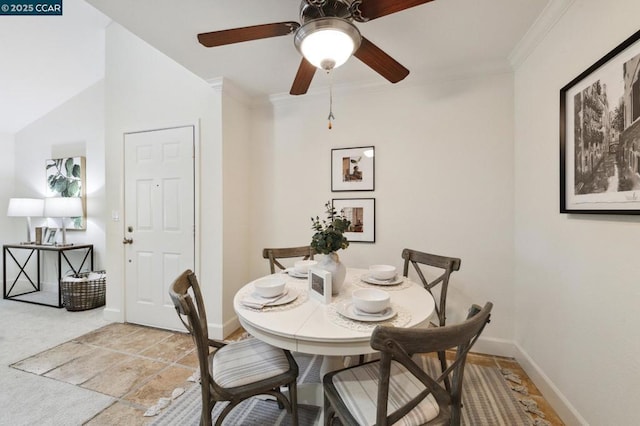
[[80, 293]]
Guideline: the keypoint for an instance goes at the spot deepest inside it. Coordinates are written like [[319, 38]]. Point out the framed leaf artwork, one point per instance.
[[65, 177]]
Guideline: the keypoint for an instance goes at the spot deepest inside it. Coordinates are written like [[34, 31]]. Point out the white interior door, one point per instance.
[[159, 221]]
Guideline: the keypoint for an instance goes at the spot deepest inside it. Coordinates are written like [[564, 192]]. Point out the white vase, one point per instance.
[[331, 263]]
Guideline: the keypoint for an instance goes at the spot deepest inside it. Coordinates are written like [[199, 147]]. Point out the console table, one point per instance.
[[61, 251]]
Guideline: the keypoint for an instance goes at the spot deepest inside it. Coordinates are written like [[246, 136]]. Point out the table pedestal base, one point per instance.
[[312, 393], [331, 363]]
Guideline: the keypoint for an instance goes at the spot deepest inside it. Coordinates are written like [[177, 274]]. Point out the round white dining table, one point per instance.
[[310, 326]]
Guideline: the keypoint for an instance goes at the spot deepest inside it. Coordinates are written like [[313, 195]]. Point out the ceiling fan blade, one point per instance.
[[372, 9], [380, 62], [255, 32], [303, 78]]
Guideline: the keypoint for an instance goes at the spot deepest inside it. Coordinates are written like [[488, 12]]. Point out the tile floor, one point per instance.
[[137, 365]]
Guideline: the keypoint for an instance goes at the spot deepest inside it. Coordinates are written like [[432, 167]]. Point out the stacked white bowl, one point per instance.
[[269, 286], [370, 300]]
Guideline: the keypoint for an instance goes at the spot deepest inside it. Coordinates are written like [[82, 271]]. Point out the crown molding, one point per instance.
[[431, 77], [549, 17], [227, 87], [216, 83]]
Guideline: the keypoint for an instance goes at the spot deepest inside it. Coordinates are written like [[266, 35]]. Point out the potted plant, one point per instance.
[[327, 240]]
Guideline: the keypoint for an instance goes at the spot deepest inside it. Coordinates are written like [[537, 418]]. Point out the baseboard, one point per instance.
[[112, 314], [493, 346], [217, 331], [230, 326], [552, 394]]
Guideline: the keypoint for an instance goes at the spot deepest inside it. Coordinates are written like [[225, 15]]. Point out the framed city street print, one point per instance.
[[352, 169], [600, 135]]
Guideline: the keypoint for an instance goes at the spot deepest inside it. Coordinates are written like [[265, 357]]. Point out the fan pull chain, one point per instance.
[[331, 117]]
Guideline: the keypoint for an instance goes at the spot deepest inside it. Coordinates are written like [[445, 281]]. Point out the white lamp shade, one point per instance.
[[25, 207], [63, 207]]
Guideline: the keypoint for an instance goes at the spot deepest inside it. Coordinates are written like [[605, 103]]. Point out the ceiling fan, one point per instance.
[[326, 37]]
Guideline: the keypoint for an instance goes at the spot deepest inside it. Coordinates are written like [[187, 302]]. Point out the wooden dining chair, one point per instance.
[[396, 388], [445, 265], [273, 254], [236, 371]]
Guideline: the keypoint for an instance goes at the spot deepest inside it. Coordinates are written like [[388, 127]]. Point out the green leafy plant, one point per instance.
[[65, 179], [329, 235]]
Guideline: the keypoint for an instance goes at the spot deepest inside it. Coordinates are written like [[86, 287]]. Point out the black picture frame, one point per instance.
[[600, 135], [353, 169], [361, 212]]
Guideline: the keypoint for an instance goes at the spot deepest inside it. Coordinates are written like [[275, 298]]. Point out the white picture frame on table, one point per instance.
[[50, 237], [320, 285]]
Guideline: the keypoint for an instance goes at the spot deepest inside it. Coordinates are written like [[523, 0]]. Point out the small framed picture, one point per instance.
[[320, 285], [352, 169], [361, 212], [50, 237]]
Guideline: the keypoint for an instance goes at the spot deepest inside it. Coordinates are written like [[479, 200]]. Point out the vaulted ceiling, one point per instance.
[[48, 57], [46, 60]]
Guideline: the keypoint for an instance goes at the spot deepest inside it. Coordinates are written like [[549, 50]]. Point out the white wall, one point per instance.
[[576, 275], [146, 90], [236, 205], [443, 180], [12, 229], [75, 128]]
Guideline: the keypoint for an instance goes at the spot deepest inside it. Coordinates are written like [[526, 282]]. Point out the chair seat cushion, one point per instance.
[[358, 388], [246, 361]]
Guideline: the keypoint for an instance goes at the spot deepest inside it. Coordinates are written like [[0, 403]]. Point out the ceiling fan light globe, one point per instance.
[[327, 43], [328, 64]]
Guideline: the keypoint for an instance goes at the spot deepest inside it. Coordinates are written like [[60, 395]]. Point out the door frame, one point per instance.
[[196, 200]]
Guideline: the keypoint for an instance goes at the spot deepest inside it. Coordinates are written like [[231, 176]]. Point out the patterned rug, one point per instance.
[[488, 400]]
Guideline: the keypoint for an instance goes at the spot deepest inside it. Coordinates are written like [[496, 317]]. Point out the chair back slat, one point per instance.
[[346, 391], [445, 263], [399, 345], [273, 254]]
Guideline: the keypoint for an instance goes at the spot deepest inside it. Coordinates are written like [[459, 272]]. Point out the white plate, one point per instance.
[[255, 298], [367, 278], [292, 272], [346, 309]]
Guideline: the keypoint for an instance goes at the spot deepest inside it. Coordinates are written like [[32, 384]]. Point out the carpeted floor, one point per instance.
[[29, 399]]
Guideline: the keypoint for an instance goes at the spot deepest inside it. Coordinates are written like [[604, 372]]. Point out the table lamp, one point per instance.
[[26, 207], [63, 207]]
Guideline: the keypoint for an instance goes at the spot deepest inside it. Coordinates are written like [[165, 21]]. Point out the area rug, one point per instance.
[[488, 400], [185, 410]]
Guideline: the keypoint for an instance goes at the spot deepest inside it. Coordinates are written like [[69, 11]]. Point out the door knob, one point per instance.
[[127, 241]]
